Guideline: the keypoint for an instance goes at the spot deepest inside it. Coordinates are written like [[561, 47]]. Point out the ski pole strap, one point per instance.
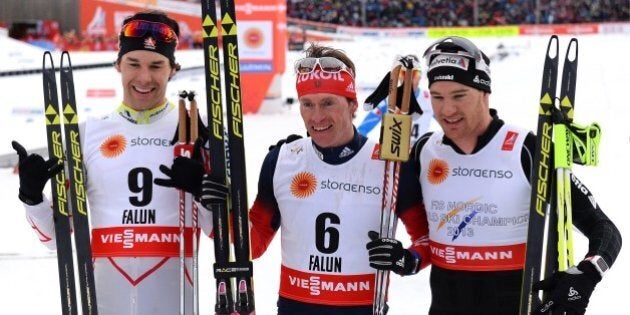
[[585, 143], [233, 269]]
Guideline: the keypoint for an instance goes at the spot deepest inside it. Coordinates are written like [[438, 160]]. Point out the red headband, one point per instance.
[[317, 81]]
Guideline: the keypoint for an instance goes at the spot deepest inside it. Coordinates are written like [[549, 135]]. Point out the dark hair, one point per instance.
[[316, 51]]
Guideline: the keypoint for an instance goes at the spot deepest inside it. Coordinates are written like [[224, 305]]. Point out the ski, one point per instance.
[[60, 198], [563, 159], [76, 177], [541, 180], [224, 302], [233, 173], [550, 237]]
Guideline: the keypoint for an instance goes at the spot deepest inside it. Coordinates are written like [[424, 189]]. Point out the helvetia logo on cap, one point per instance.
[[303, 185], [449, 61]]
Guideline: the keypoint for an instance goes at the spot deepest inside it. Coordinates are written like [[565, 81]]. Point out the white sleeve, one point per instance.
[[40, 217]]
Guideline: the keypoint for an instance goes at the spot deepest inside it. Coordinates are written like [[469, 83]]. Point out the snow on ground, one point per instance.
[[28, 274]]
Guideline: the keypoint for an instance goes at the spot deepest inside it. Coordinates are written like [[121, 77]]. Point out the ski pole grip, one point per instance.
[[396, 124]]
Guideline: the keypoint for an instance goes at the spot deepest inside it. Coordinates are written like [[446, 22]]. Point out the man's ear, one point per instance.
[[117, 66]]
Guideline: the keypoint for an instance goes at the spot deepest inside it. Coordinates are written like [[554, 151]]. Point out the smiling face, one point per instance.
[[144, 75], [328, 118], [462, 112]]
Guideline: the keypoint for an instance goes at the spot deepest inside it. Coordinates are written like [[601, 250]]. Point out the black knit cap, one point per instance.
[[457, 59], [148, 41]]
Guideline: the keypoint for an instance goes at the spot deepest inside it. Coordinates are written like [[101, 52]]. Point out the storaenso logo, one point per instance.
[[482, 173], [150, 142], [349, 187]]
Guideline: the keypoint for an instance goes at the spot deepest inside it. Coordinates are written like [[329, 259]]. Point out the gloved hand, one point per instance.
[[388, 254], [570, 289], [185, 173], [34, 173], [213, 192], [289, 139]]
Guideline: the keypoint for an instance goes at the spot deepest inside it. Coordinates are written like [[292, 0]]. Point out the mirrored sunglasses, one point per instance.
[[326, 64], [140, 28]]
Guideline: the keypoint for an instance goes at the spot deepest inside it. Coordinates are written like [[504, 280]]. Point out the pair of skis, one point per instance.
[[559, 143], [227, 165], [66, 147], [394, 147]]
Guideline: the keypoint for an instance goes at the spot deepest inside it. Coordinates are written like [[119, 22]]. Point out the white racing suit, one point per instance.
[[135, 230]]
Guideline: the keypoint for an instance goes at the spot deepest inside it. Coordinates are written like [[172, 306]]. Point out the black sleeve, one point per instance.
[[603, 236], [409, 189], [527, 155], [265, 185]]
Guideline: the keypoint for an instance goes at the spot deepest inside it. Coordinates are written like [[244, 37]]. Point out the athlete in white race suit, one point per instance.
[[135, 224]]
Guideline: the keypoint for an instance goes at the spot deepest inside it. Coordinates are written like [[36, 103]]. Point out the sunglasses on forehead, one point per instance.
[[326, 64], [458, 46], [140, 28]]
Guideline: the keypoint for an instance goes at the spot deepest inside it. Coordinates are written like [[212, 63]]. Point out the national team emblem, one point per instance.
[[149, 43], [303, 185], [113, 146], [375, 152], [438, 171], [509, 141]]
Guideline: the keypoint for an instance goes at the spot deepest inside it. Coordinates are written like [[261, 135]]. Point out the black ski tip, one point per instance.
[[65, 55], [553, 51], [47, 56], [572, 51]]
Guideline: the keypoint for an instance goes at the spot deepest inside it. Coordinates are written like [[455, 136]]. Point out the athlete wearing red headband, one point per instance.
[[324, 193]]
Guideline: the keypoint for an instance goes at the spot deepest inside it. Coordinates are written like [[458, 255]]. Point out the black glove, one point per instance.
[[388, 254], [34, 173], [570, 289], [289, 139], [213, 192], [185, 173]]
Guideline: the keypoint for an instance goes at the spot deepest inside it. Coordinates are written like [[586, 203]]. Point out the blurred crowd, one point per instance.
[[372, 13], [409, 13]]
